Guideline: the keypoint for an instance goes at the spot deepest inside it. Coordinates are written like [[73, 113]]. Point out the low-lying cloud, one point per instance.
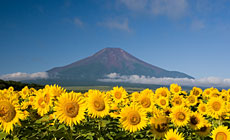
[[19, 76], [140, 79]]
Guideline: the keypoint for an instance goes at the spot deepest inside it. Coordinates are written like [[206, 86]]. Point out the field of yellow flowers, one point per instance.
[[170, 114]]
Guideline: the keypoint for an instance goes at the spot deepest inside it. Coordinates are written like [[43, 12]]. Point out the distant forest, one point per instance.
[[18, 85]]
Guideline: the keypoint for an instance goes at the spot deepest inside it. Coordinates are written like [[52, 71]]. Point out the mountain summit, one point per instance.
[[106, 61]]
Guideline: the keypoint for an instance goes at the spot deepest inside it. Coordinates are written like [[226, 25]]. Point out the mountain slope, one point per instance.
[[110, 60]]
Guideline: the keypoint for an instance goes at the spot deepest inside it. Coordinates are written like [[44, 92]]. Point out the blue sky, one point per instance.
[[191, 36]]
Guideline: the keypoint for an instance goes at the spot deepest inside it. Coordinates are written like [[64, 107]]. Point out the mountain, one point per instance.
[[106, 61]]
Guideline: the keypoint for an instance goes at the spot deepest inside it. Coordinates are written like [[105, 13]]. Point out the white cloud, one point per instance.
[[116, 24], [206, 82], [19, 76], [170, 8], [77, 21]]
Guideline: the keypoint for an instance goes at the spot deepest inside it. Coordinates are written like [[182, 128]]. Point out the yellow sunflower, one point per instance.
[[118, 94], [55, 90], [173, 135], [70, 108], [214, 93], [206, 92], [133, 118], [221, 133], [159, 126], [25, 92], [134, 96], [202, 108], [162, 91], [180, 116], [196, 120], [216, 107], [191, 100], [10, 114], [41, 103], [178, 100], [163, 102], [175, 89], [205, 130], [98, 104], [145, 99], [196, 91]]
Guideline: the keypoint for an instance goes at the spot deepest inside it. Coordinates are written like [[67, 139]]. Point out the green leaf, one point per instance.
[[101, 138], [3, 135]]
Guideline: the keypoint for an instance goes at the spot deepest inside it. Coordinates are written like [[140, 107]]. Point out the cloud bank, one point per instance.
[[170, 8], [19, 76], [116, 24], [140, 79]]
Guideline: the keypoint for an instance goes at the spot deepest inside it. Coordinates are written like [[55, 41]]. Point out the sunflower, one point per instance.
[[162, 91], [191, 100], [159, 126], [9, 114], [196, 91], [163, 102], [98, 104], [70, 108], [25, 92], [205, 130], [133, 118], [55, 90], [167, 111], [145, 100], [134, 96], [216, 107], [206, 92], [178, 100], [221, 133], [196, 120], [225, 96], [202, 108], [41, 103], [214, 93], [173, 135], [180, 116], [175, 89], [118, 94]]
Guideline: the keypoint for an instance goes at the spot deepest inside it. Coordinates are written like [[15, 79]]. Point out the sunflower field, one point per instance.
[[166, 113]]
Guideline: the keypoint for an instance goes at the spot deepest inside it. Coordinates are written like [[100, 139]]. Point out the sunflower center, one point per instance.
[[178, 101], [196, 92], [41, 102], [146, 102], [7, 111], [134, 118], [181, 116], [72, 109], [191, 99], [203, 108], [216, 106], [118, 95], [99, 105], [173, 138], [161, 127], [176, 89], [163, 102], [203, 129], [163, 93], [221, 136], [194, 120], [47, 98]]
